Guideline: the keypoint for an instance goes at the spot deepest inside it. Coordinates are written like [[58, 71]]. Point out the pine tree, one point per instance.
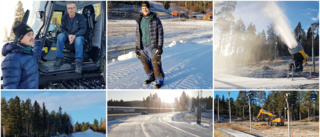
[[4, 114], [271, 42], [44, 122], [241, 103], [224, 22], [36, 119], [95, 125], [14, 117]]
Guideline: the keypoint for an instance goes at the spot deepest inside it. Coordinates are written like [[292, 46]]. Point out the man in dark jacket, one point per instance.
[[73, 27], [20, 68], [149, 43]]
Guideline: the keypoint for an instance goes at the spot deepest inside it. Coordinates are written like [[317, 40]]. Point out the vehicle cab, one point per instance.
[[45, 20]]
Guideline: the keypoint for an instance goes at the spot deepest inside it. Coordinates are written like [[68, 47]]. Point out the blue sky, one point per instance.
[[83, 106], [233, 94], [306, 12]]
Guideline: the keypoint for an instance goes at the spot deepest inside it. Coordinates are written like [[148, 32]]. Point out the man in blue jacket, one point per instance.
[[73, 27], [20, 68]]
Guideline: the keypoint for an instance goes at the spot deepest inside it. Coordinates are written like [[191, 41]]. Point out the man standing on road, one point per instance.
[[149, 43], [73, 27], [20, 67]]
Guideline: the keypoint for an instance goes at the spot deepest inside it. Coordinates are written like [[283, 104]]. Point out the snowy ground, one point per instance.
[[189, 117], [87, 133], [263, 75], [160, 125], [186, 65], [121, 29]]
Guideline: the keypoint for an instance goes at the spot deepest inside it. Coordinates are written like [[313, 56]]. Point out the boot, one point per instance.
[[151, 78], [157, 86], [59, 62], [78, 66]]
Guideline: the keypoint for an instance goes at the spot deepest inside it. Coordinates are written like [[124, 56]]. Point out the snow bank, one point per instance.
[[127, 56], [88, 133], [173, 43], [205, 41]]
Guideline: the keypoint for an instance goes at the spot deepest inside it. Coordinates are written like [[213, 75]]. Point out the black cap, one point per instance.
[[145, 4], [21, 30]]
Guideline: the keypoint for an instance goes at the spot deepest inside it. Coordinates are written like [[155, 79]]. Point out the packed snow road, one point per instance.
[[186, 65], [157, 125], [224, 81], [235, 132]]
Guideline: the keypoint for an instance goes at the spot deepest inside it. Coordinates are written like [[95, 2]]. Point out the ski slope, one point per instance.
[[186, 65]]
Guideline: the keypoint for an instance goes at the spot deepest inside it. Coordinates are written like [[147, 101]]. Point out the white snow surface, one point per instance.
[[235, 132], [186, 65], [225, 81], [189, 117], [87, 133], [121, 33]]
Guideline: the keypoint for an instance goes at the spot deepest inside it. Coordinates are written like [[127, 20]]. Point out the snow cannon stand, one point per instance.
[[295, 66]]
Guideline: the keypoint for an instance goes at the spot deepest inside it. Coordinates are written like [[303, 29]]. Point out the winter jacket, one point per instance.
[[155, 31], [78, 27], [20, 68]]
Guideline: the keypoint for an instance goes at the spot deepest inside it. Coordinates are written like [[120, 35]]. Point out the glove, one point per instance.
[[137, 51], [160, 50]]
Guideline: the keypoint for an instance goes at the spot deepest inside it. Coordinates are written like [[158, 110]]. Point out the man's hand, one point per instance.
[[71, 38], [159, 50]]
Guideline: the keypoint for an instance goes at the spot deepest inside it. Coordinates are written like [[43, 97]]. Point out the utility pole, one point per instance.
[[249, 110], [288, 113], [229, 109], [313, 27], [199, 109], [218, 106]]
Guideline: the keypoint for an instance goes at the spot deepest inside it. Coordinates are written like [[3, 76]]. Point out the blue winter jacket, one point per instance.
[[20, 68], [78, 27]]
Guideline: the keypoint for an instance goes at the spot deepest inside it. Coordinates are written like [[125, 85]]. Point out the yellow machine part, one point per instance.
[[305, 56], [46, 50]]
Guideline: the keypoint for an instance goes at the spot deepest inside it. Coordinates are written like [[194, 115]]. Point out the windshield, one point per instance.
[[34, 22]]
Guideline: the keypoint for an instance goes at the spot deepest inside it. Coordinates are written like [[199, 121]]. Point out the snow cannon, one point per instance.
[[299, 58]]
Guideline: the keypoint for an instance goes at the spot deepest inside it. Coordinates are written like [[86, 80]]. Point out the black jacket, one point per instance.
[[78, 27], [155, 31]]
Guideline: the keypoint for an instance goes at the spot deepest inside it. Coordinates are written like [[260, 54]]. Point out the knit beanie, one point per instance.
[[145, 4], [21, 30]]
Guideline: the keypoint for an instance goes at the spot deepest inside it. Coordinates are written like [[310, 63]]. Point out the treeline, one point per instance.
[[154, 101], [119, 103], [302, 104], [247, 45], [21, 118], [81, 127], [196, 6]]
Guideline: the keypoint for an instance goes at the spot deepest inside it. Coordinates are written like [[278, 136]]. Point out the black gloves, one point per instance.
[[137, 51], [160, 50]]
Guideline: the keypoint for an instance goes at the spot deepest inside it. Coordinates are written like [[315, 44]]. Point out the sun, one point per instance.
[[168, 96]]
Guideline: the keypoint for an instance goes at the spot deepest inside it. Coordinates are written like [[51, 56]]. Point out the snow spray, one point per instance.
[[281, 24]]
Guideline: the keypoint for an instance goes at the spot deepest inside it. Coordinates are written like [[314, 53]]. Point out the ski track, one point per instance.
[[186, 66]]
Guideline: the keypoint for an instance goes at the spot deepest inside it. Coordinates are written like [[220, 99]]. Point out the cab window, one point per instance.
[[55, 21]]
